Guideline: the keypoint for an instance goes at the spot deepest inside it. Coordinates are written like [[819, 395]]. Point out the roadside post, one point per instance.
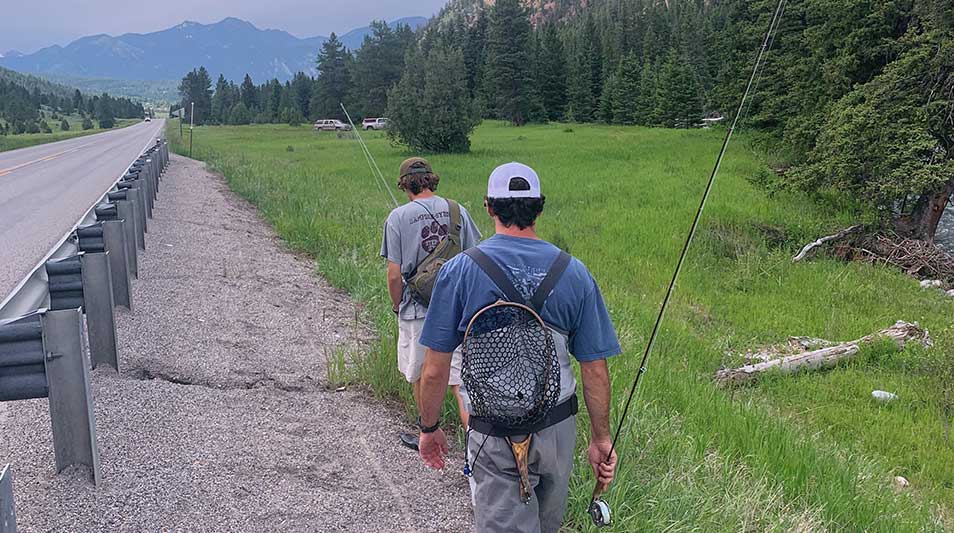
[[83, 281], [42, 355], [109, 236], [191, 127]]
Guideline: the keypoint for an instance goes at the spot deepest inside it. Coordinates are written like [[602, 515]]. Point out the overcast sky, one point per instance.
[[28, 25]]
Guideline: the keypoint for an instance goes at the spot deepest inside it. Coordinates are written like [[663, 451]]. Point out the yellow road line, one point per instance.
[[5, 171]]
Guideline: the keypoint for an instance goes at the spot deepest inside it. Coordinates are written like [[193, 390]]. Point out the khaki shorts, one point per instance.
[[411, 353]]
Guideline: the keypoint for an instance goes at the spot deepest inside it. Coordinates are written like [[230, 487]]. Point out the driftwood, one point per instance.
[[921, 259], [823, 240], [802, 353]]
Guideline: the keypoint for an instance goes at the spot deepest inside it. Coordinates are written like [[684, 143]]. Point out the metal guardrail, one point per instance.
[[8, 515], [31, 293], [43, 342]]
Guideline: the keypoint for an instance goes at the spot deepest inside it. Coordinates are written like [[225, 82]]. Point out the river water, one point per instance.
[[945, 231]]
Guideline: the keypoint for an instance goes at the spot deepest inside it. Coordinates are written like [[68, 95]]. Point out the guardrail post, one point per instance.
[[134, 194], [126, 213], [114, 236], [71, 403], [84, 281], [93, 239], [8, 513], [98, 304]]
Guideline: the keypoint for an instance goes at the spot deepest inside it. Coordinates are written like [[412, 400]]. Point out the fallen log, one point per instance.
[[823, 240], [812, 359]]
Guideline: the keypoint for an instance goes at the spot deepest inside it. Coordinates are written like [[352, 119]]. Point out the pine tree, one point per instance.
[[249, 94], [508, 52], [220, 104], [626, 96], [64, 125], [579, 89], [552, 73], [646, 104], [431, 108], [104, 112], [678, 102], [334, 79], [378, 65]]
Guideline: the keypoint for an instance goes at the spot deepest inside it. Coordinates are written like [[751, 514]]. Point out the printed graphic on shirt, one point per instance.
[[526, 279], [432, 234]]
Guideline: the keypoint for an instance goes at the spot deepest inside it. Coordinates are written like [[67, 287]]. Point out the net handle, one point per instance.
[[501, 303]]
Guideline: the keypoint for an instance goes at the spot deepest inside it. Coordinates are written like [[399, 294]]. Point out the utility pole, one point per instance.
[[191, 127]]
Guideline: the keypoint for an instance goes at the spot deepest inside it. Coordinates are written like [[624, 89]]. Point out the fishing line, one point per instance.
[[773, 30], [599, 509], [370, 158]]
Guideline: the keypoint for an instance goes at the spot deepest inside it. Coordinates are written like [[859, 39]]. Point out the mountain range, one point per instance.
[[232, 47]]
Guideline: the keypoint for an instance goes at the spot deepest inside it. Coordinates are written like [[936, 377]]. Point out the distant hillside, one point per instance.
[[232, 47], [33, 83]]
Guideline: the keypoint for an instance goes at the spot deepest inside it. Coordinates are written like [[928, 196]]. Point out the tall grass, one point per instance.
[[809, 452]]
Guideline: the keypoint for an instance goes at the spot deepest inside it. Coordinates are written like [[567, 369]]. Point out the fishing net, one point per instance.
[[510, 366]]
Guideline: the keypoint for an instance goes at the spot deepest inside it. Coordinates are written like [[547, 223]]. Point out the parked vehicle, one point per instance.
[[375, 123], [148, 119], [331, 125]]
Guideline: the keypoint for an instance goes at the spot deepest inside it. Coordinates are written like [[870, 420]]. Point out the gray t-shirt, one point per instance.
[[412, 231]]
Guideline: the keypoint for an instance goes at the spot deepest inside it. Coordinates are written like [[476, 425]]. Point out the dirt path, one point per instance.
[[220, 419]]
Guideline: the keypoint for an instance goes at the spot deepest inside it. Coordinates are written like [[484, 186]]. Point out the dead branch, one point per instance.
[[823, 240], [807, 355]]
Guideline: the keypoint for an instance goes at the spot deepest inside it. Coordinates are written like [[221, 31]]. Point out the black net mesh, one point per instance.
[[510, 367]]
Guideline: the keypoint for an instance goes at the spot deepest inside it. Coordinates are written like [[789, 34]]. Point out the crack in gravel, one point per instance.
[[221, 419], [296, 384]]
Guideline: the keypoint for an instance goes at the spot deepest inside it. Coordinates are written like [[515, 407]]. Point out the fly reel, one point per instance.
[[600, 512]]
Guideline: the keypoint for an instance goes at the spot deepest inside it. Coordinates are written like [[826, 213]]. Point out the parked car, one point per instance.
[[331, 125], [375, 123], [148, 119]]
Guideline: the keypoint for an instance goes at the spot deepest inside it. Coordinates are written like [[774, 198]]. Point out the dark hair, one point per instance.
[[415, 183], [522, 212]]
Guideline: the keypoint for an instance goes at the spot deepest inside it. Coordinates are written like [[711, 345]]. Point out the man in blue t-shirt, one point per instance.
[[581, 326]]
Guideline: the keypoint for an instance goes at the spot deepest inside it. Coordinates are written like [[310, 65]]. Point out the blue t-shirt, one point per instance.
[[575, 305]]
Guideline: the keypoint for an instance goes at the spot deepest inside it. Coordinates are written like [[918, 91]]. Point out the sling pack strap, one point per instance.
[[455, 222], [500, 278], [453, 232]]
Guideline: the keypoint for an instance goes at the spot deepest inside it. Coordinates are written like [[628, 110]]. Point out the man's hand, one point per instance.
[[603, 470], [433, 448]]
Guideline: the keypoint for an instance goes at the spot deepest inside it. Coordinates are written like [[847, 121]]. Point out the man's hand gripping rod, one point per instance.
[[599, 510]]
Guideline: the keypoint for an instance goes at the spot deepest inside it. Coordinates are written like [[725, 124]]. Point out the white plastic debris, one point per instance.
[[932, 284], [901, 482], [950, 293], [883, 396]]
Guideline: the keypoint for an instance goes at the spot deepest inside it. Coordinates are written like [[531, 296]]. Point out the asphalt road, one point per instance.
[[45, 189]]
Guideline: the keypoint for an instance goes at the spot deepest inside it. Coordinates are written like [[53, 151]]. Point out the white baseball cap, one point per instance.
[[511, 181]]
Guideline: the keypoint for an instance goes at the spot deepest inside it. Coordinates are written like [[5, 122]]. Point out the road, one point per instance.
[[45, 189]]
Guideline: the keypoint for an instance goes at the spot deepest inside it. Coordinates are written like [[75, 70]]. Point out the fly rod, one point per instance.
[[599, 510], [375, 171]]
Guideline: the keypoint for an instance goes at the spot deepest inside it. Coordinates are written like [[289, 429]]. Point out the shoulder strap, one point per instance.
[[549, 282], [455, 221], [500, 278], [496, 274]]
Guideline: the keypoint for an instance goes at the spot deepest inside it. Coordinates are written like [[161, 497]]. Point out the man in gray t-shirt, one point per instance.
[[411, 233]]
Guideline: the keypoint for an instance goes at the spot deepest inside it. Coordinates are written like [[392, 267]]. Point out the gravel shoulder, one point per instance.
[[221, 418]]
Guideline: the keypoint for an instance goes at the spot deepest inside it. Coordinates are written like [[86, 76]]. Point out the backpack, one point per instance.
[[420, 282]]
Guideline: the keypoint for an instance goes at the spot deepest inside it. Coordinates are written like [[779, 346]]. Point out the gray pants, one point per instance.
[[496, 483]]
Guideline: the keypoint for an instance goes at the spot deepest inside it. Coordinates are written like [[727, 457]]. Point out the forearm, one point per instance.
[[434, 378], [395, 284], [596, 394]]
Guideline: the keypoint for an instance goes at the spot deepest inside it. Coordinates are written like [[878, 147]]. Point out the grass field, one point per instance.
[[13, 142], [809, 452]]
